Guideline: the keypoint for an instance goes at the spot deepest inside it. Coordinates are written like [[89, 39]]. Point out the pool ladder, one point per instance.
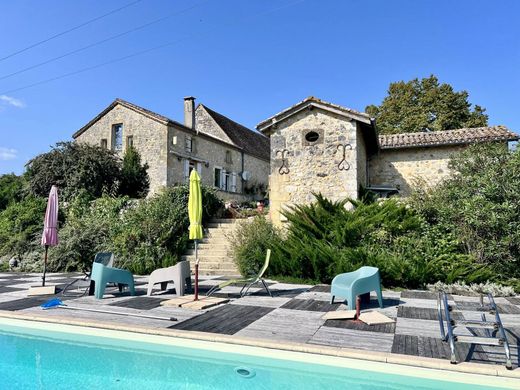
[[491, 327]]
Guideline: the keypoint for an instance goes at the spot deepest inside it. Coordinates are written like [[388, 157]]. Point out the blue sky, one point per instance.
[[245, 59]]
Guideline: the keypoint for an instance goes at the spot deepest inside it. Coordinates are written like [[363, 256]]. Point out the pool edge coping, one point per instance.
[[349, 353]]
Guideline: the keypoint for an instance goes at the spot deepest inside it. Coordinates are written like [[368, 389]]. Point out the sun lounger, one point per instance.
[[351, 284], [101, 275], [248, 282], [179, 274]]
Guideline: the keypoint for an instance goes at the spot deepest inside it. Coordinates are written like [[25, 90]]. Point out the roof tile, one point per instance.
[[447, 137]]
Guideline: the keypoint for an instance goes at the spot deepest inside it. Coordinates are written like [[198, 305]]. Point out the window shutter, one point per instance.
[[233, 182], [199, 168], [186, 170], [193, 145], [223, 180]]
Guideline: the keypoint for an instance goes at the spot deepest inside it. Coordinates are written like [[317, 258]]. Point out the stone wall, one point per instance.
[[149, 138], [312, 166], [362, 163], [163, 149], [402, 168], [259, 170]]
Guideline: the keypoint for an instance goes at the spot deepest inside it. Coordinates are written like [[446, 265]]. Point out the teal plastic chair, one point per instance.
[[101, 275], [351, 284]]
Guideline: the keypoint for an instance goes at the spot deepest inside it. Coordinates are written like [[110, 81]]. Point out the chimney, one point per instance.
[[189, 112]]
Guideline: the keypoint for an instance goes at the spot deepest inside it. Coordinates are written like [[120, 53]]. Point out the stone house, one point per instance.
[[318, 146], [227, 155]]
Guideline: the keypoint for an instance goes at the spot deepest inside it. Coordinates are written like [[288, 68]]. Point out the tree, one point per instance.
[[74, 168], [479, 204], [425, 105], [134, 179], [11, 189]]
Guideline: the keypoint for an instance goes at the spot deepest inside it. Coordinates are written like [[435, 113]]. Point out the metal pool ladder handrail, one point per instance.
[[447, 334]]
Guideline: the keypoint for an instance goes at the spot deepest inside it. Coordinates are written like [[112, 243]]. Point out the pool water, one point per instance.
[[45, 359]]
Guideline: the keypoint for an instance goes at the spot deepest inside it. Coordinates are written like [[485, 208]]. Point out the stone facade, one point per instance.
[[171, 149], [320, 147], [312, 166], [148, 137], [405, 168]]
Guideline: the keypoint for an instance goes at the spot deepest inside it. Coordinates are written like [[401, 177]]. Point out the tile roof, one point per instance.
[[447, 137], [250, 141], [312, 101], [131, 106]]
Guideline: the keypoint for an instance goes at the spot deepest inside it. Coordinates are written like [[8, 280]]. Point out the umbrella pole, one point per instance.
[[196, 271], [45, 265]]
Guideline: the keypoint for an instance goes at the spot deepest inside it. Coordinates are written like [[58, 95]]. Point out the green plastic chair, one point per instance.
[[248, 281], [101, 275], [351, 284]]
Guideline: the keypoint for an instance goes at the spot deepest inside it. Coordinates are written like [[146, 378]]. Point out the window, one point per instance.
[[188, 144], [228, 157], [189, 166], [312, 136], [218, 177], [104, 143], [226, 182], [130, 141], [117, 136]]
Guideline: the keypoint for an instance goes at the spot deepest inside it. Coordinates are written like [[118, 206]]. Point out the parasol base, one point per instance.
[[47, 290], [188, 302]]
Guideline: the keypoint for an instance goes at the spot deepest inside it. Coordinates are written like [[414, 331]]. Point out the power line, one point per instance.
[[119, 59], [68, 31], [103, 41]]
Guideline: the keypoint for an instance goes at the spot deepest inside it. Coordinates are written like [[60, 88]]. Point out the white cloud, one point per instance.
[[11, 101], [7, 153]]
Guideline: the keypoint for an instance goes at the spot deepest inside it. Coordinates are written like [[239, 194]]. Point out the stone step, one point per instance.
[[217, 225], [230, 275], [215, 267], [209, 251], [214, 233], [227, 221], [209, 258], [217, 246]]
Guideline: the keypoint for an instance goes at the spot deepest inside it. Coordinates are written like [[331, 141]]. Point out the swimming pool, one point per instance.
[[35, 355]]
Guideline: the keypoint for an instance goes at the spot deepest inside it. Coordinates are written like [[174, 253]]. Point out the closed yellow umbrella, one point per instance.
[[195, 214]]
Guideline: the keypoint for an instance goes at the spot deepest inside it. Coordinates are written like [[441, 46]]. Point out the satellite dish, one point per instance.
[[246, 175]]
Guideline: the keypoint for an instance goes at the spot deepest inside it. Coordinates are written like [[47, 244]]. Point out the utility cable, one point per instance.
[[69, 30], [102, 41], [119, 59]]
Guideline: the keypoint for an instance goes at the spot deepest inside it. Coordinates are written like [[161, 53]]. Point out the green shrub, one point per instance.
[[11, 189], [134, 179], [479, 206], [89, 229], [250, 242], [325, 238], [21, 226], [144, 234], [74, 167]]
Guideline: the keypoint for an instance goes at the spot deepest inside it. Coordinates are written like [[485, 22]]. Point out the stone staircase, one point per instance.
[[215, 250]]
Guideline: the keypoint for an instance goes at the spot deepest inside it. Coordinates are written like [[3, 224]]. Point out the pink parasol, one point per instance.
[[50, 225]]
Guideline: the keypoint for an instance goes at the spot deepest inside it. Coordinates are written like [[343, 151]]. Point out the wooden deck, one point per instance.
[[293, 314]]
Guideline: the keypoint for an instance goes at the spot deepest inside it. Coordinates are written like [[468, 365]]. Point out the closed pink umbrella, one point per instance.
[[50, 225]]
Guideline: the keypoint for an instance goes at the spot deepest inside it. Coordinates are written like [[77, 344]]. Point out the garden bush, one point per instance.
[[143, 234], [21, 226], [326, 238], [479, 205], [250, 242]]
